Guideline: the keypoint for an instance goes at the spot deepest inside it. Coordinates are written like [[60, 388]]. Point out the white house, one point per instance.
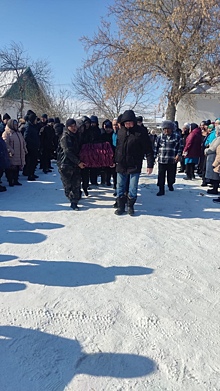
[[18, 90], [201, 103]]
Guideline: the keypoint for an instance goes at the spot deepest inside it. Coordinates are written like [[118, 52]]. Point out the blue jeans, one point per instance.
[[122, 180]]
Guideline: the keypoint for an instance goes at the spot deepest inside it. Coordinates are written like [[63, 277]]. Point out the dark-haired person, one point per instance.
[[6, 117], [69, 164], [47, 136], [95, 136], [192, 150], [32, 139], [106, 136], [4, 161], [211, 175]]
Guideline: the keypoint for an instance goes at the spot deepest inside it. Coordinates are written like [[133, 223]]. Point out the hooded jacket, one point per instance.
[[15, 144], [132, 145], [68, 150]]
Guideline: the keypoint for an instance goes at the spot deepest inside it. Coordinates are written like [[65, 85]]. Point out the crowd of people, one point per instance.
[[114, 152]]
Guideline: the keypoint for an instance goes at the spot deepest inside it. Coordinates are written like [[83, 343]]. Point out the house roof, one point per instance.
[[7, 79], [12, 83], [206, 89]]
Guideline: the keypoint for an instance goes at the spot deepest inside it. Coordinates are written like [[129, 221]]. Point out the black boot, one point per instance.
[[214, 190], [130, 203], [74, 205], [161, 192], [188, 176], [120, 205], [2, 188], [115, 205], [16, 183]]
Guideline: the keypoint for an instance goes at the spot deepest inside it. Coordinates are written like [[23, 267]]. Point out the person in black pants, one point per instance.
[[168, 148]]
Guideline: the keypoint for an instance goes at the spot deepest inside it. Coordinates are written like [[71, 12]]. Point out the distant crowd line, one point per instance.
[[114, 152]]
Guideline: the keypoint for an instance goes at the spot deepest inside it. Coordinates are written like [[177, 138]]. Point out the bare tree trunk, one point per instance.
[[171, 110]]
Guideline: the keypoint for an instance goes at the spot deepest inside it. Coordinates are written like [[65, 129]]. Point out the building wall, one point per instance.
[[12, 108], [198, 107]]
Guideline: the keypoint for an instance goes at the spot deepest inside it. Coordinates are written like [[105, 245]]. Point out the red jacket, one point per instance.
[[193, 144]]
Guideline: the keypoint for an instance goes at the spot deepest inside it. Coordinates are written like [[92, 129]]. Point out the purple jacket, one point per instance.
[[193, 144]]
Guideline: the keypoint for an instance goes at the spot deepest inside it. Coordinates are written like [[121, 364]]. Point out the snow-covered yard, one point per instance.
[[91, 301]]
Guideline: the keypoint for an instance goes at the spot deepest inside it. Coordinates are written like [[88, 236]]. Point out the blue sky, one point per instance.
[[51, 29]]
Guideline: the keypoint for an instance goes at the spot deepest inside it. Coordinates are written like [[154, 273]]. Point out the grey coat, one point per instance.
[[210, 152]]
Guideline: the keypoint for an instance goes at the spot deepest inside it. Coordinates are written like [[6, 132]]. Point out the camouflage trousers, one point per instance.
[[71, 179]]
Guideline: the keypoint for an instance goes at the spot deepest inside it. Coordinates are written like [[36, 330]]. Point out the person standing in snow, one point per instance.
[[192, 150], [133, 143], [168, 148], [69, 164], [17, 149], [32, 139]]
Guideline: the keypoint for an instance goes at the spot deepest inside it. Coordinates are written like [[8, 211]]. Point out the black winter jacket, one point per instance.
[[91, 135], [68, 150], [132, 145], [31, 136]]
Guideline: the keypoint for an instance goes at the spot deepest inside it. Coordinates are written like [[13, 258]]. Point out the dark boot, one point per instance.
[[161, 192], [115, 205], [86, 192], [215, 188], [216, 200], [120, 205], [16, 183], [130, 203], [2, 188], [188, 172], [74, 206]]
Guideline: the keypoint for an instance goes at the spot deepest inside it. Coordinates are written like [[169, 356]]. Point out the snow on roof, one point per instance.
[[206, 89], [7, 79]]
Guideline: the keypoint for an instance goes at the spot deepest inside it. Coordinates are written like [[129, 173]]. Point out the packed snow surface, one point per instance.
[[91, 301]]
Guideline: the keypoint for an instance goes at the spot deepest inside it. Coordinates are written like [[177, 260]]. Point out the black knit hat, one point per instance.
[[139, 118], [70, 122], [6, 116], [193, 126], [119, 118], [44, 116], [50, 120], [108, 124], [32, 117], [128, 116], [94, 119], [30, 112]]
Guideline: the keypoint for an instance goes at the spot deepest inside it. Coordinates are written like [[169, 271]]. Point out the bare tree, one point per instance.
[[89, 86], [176, 41], [31, 78]]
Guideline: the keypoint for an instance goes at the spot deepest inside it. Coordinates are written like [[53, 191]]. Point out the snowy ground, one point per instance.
[[91, 301]]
